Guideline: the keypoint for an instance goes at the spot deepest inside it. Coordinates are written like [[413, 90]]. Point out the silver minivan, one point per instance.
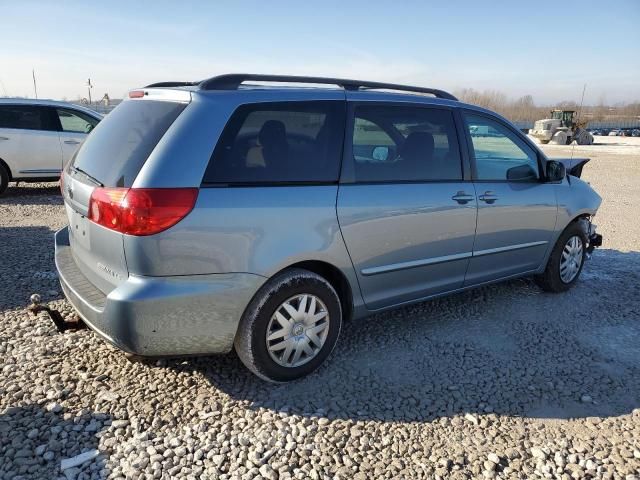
[[239, 212]]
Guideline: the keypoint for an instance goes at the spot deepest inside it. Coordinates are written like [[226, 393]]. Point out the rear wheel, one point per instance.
[[290, 327], [566, 261], [4, 179]]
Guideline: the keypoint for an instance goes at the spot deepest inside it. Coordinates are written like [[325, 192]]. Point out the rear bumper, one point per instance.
[[157, 316]]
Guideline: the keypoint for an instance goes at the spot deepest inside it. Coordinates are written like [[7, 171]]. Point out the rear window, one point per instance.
[[24, 117], [116, 150], [287, 142]]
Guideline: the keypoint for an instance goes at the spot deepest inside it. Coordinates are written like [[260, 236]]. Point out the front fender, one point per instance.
[[575, 199]]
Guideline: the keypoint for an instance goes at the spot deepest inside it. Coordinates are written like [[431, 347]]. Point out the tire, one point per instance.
[[554, 279], [4, 179], [266, 357]]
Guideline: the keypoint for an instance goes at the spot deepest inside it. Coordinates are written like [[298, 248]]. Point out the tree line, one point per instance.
[[524, 109]]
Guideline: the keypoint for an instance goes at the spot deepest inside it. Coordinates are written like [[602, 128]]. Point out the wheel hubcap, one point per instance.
[[571, 259], [297, 330]]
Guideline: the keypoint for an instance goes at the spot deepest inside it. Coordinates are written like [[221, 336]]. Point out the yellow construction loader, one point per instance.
[[561, 129]]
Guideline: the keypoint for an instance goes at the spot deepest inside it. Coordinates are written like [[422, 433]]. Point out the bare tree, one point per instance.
[[524, 109]]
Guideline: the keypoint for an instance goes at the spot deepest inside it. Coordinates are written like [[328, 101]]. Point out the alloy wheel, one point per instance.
[[571, 259], [297, 330]]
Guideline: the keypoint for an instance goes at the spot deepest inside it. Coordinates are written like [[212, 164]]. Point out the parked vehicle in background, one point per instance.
[[614, 133], [212, 215], [635, 132], [37, 137]]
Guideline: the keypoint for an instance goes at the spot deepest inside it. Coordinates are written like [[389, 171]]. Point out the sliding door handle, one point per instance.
[[462, 197], [488, 197], [71, 142]]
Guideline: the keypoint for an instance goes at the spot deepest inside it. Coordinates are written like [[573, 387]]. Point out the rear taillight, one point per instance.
[[140, 211]]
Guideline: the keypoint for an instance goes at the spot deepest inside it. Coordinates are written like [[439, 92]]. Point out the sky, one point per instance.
[[548, 51]]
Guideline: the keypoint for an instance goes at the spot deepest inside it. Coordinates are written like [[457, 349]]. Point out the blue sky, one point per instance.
[[510, 46]]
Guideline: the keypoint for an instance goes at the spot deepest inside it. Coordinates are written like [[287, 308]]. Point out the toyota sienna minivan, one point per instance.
[[260, 212]]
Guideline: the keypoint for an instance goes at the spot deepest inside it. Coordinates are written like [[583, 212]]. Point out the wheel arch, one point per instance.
[[585, 215], [576, 217], [334, 276], [6, 166]]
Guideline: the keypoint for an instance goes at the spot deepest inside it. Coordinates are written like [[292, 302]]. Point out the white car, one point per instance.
[[37, 137]]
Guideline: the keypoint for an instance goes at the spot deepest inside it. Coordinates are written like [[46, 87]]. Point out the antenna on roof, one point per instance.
[[578, 119]]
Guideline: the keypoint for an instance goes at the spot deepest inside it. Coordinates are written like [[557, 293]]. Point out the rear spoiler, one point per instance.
[[573, 166]]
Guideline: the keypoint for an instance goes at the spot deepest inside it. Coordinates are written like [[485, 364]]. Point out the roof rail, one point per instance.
[[234, 80], [172, 84]]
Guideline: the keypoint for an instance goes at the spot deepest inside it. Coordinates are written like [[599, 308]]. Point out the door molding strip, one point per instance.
[[42, 170], [393, 267], [415, 263], [508, 248]]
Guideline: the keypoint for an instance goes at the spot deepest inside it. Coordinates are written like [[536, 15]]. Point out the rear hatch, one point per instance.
[[112, 156]]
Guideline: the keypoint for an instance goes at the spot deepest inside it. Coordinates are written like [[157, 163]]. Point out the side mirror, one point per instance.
[[380, 154], [521, 173], [556, 171]]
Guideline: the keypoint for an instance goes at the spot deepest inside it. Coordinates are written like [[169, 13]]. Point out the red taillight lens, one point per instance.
[[140, 211], [136, 94]]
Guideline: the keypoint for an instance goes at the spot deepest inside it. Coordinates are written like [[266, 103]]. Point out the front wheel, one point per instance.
[[290, 327], [566, 261]]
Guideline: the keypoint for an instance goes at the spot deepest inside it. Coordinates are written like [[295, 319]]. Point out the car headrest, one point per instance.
[[273, 133], [417, 147]]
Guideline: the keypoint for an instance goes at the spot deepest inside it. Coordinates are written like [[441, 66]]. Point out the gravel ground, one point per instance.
[[504, 381]]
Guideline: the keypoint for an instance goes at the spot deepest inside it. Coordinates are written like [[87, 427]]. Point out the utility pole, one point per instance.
[[35, 88], [89, 87]]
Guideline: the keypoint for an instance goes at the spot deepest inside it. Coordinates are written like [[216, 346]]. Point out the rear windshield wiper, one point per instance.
[[89, 177]]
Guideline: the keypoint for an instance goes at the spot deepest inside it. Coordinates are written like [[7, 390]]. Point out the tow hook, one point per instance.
[[61, 324], [595, 239]]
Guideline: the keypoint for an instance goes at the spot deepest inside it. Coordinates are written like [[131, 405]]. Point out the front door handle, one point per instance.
[[71, 142], [4, 138], [488, 197], [462, 197]]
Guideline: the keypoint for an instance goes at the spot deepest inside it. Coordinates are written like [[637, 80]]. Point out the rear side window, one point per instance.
[[24, 117], [287, 142], [405, 143], [120, 144], [74, 121]]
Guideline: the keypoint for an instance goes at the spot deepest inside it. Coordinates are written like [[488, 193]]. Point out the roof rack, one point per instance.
[[234, 80], [172, 84]]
